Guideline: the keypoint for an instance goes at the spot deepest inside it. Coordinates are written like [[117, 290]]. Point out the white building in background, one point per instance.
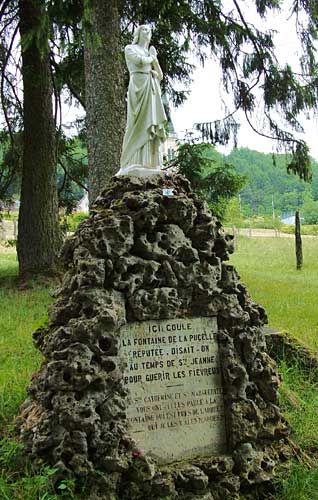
[[170, 145], [289, 219], [83, 204]]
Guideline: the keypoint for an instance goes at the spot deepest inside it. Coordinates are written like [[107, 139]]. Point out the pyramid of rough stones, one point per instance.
[[144, 256]]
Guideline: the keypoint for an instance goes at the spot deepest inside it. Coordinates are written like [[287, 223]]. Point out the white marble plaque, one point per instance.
[[173, 373]]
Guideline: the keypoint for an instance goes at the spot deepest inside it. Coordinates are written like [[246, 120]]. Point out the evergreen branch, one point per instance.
[[75, 94], [3, 6], [7, 184], [70, 176], [16, 97], [68, 83], [7, 24], [58, 108], [3, 69], [248, 29], [201, 126], [64, 178], [282, 136]]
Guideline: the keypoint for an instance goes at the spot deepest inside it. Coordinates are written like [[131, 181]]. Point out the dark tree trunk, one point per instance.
[[298, 243], [38, 237], [105, 93]]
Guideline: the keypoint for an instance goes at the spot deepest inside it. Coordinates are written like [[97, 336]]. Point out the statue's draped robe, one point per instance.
[[146, 118]]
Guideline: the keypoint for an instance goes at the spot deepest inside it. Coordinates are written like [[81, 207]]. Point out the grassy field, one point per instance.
[[22, 311], [267, 266]]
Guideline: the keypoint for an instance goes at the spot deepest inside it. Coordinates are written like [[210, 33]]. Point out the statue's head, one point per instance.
[[142, 34]]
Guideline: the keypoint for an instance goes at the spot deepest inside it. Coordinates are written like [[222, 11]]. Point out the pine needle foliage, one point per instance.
[[235, 35]]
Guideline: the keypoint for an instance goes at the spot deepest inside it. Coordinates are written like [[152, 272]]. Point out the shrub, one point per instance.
[[72, 221], [257, 222]]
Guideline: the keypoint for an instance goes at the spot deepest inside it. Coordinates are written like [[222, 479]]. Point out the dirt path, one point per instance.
[[11, 232], [270, 233]]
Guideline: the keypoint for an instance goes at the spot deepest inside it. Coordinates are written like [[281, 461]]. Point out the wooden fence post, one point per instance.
[[298, 243]]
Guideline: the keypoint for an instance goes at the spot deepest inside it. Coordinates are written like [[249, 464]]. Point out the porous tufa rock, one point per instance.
[[141, 255], [192, 479]]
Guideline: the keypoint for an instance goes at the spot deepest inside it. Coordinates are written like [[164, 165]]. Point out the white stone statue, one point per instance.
[[146, 117]]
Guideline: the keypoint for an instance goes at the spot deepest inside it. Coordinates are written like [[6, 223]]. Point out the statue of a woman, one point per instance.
[[146, 118]]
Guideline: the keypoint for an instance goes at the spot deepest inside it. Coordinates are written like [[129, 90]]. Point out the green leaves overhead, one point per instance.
[[246, 53]]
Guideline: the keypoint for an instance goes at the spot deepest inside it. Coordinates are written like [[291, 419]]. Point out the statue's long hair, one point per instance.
[[136, 34]]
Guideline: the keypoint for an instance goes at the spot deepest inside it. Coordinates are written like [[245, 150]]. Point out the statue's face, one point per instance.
[[145, 33]]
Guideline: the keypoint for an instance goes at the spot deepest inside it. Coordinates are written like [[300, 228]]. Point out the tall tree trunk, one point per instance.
[[105, 93], [38, 236]]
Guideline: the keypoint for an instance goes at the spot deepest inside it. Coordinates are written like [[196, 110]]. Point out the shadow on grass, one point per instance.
[[10, 278], [9, 268]]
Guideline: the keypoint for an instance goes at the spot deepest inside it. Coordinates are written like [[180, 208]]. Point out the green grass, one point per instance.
[[299, 402], [19, 481], [22, 311], [268, 267], [299, 484], [8, 266]]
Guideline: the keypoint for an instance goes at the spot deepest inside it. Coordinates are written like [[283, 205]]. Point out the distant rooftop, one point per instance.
[[172, 131]]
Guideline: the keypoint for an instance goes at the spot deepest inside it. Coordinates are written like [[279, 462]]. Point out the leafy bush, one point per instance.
[[210, 177], [71, 172], [11, 243], [72, 221], [11, 216], [309, 211], [256, 222]]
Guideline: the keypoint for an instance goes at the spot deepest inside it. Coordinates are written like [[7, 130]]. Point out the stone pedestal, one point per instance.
[[155, 368]]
